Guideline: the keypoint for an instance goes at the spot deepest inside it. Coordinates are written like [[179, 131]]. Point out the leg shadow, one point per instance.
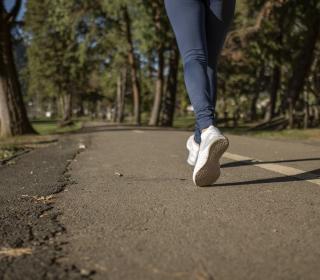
[[305, 176]]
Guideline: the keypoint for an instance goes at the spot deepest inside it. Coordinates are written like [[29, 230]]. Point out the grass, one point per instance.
[[291, 134], [52, 127], [184, 122], [7, 152], [47, 133]]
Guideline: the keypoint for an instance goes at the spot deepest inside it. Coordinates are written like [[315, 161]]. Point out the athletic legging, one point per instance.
[[200, 27]]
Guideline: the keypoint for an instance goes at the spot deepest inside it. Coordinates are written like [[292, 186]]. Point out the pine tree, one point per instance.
[[53, 60]]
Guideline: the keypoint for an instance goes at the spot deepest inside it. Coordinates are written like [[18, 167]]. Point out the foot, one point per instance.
[[207, 168], [193, 149]]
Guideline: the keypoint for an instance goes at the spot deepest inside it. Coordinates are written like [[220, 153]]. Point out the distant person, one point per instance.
[[200, 27]]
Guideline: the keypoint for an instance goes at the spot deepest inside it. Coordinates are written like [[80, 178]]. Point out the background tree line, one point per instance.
[[119, 60]]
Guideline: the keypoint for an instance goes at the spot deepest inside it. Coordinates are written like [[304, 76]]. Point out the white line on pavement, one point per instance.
[[285, 170]]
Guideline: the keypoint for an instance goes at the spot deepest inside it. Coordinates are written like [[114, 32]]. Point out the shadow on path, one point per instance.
[[304, 176], [310, 175], [255, 162]]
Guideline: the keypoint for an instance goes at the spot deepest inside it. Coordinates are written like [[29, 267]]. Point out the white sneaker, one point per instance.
[[193, 149], [213, 145]]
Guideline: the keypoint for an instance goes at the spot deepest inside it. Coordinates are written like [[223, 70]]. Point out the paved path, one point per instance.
[[126, 208], [135, 213], [28, 220]]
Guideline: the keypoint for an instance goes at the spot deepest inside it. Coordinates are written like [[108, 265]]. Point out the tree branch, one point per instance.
[[239, 37], [11, 16]]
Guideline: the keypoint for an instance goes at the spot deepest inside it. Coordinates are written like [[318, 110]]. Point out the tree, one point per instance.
[[53, 53], [120, 100], [122, 48], [13, 115], [160, 23], [272, 54], [169, 100], [136, 89], [86, 53], [303, 62]]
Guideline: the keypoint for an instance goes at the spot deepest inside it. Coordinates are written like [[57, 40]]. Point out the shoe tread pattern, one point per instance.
[[210, 172]]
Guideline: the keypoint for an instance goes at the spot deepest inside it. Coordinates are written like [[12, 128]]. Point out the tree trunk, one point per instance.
[[171, 88], [156, 108], [118, 99], [80, 112], [316, 84], [302, 67], [67, 110], [306, 110], [274, 91], [157, 14], [290, 115], [133, 69], [253, 107], [276, 71], [13, 115], [121, 89]]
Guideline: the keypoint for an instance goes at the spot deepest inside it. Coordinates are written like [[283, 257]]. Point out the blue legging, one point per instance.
[[200, 27]]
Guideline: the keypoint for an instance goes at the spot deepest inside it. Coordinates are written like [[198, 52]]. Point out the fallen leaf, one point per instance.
[[45, 199], [82, 146], [15, 252]]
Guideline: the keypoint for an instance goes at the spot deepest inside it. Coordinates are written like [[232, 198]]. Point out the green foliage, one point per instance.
[[80, 47], [52, 52], [275, 46]]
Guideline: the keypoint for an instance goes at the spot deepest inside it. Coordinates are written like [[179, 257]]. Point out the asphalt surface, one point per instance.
[[28, 221], [129, 210]]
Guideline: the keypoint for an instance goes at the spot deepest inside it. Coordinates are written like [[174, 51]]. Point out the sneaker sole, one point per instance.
[[210, 172]]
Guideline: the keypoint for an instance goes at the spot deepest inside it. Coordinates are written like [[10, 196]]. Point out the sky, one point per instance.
[[9, 4]]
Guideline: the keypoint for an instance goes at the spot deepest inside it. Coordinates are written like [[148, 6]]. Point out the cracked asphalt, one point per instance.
[[126, 208], [28, 220]]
